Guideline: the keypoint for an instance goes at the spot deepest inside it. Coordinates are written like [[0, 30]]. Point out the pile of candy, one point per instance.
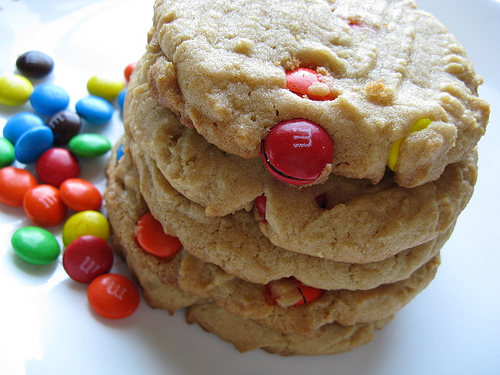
[[55, 194]]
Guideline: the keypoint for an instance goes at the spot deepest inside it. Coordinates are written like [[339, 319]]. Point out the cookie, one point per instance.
[[245, 335], [398, 86], [242, 298]]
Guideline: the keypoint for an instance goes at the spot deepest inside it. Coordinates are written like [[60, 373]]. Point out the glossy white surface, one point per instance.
[[46, 326]]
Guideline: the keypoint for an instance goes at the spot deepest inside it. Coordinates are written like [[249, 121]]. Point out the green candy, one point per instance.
[[35, 245], [89, 145], [6, 152]]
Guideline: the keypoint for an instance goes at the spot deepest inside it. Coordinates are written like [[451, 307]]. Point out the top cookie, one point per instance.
[[388, 82]]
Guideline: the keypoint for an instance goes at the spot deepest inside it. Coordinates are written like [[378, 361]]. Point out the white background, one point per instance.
[[46, 326]]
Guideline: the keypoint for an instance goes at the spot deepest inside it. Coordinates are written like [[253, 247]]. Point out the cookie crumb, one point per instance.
[[379, 93]]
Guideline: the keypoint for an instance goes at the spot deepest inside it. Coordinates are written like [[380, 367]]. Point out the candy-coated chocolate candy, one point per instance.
[[15, 90], [298, 152], [29, 135], [94, 109], [89, 145], [309, 293], [35, 245], [129, 69], [48, 99], [7, 156], [308, 82], [291, 292], [152, 239], [113, 296], [260, 203], [105, 88], [43, 206], [85, 223], [56, 165], [121, 98], [80, 195], [86, 258], [393, 157], [35, 64], [19, 124], [14, 183], [65, 125], [119, 153]]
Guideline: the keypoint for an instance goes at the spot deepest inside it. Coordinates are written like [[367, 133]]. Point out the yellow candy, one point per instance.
[[14, 90], [393, 157], [105, 88], [85, 223]]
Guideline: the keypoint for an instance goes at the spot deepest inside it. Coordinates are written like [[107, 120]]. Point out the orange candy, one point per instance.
[[308, 82], [14, 183], [129, 70], [43, 206], [152, 238], [309, 293], [80, 195], [113, 296]]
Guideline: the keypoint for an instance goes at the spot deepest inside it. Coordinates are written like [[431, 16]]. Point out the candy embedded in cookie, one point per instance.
[[153, 240], [311, 84], [393, 157], [298, 152], [290, 292]]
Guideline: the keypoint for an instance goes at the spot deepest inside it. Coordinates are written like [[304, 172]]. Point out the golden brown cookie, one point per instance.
[[400, 80]]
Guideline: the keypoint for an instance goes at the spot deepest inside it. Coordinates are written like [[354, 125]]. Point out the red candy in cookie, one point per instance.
[[298, 152], [308, 82]]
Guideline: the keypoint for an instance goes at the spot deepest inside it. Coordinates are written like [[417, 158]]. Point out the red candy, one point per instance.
[[86, 258], [297, 151], [57, 165], [129, 70], [152, 238], [80, 195], [113, 296], [43, 206], [260, 203], [14, 183], [308, 82]]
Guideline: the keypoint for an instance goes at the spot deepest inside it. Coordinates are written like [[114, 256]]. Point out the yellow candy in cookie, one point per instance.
[[394, 151]]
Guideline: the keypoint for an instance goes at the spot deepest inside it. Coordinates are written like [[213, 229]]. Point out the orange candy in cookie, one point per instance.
[[291, 292], [309, 83], [152, 238]]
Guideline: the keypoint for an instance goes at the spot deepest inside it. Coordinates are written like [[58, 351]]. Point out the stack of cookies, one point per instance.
[[312, 157]]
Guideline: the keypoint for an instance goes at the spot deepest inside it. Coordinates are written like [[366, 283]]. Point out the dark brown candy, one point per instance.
[[35, 64], [65, 125]]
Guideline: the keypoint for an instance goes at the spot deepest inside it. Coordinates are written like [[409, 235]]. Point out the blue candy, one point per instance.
[[121, 98], [94, 109], [29, 135], [119, 153], [48, 99]]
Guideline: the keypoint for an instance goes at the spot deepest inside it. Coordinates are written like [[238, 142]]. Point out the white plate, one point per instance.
[[46, 326]]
